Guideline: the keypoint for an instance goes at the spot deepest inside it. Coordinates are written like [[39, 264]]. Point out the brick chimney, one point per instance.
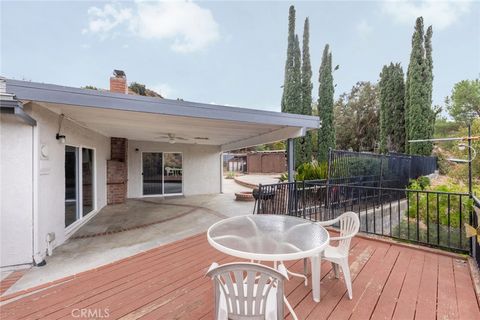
[[118, 82]]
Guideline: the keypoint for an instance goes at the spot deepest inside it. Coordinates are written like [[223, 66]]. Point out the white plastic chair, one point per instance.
[[338, 255], [249, 291]]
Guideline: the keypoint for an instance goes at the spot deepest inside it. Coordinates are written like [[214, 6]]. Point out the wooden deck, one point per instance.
[[389, 282]]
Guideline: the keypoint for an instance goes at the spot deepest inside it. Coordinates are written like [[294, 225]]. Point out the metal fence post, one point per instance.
[[329, 168]]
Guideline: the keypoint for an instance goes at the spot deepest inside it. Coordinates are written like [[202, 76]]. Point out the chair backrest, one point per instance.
[[246, 287], [349, 226]]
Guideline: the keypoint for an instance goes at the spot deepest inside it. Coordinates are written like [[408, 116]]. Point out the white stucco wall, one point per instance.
[[51, 175], [16, 191], [201, 166]]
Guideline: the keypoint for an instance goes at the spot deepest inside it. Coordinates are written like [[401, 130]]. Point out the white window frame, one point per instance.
[[81, 219]]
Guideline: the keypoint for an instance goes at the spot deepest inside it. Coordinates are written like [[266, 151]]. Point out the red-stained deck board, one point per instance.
[[466, 299], [407, 300], [389, 297], [426, 308], [447, 298], [301, 291], [84, 287], [166, 277], [367, 290], [169, 282], [359, 254], [324, 309]]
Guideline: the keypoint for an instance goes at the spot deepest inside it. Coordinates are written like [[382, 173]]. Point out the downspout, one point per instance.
[[290, 160], [37, 258], [221, 172]]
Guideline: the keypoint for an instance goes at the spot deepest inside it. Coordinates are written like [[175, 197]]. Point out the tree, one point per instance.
[[357, 118], [418, 94], [90, 87], [392, 109], [304, 144], [465, 100], [295, 94], [429, 80], [142, 90], [289, 63], [326, 133]]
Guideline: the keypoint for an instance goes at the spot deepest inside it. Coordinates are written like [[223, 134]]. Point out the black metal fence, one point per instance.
[[430, 218], [475, 223], [376, 170]]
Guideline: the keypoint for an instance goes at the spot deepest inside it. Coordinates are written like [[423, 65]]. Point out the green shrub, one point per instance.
[[312, 171], [230, 175], [308, 171], [420, 183], [438, 207]]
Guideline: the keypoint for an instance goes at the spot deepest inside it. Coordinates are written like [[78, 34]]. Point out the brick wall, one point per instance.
[[117, 171], [118, 84]]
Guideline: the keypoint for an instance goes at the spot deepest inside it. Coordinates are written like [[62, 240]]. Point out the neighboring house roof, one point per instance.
[[253, 126]]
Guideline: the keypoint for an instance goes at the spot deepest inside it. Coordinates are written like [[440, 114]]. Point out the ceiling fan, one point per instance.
[[172, 138]]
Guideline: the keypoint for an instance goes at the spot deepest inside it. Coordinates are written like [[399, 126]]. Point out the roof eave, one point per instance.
[[32, 91]]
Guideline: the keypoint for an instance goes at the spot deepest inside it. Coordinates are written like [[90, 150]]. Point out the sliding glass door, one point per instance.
[[172, 173], [71, 185], [152, 173], [162, 173], [79, 183]]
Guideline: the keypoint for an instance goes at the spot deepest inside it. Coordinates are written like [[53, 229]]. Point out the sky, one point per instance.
[[229, 52]]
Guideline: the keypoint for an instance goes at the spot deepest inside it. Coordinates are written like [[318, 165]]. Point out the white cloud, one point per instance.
[[164, 89], [364, 29], [440, 14], [102, 21], [187, 25]]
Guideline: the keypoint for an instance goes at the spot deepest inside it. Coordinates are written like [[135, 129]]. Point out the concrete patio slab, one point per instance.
[[119, 231]]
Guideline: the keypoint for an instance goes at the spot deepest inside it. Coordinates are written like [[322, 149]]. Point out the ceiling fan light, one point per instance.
[[171, 141]]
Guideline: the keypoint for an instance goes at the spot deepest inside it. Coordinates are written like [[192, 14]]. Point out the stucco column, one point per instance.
[[290, 160]]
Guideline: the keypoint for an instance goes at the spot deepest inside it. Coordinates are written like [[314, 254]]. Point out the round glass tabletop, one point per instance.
[[268, 237]]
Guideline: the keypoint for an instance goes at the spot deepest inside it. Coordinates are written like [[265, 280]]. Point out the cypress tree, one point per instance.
[[418, 93], [326, 133], [392, 109], [398, 110], [429, 76], [304, 144], [385, 99], [289, 63], [296, 92]]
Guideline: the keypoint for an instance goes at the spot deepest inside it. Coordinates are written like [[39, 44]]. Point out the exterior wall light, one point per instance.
[[61, 138]]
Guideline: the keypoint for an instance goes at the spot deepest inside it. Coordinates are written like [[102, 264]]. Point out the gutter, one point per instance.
[[14, 107]]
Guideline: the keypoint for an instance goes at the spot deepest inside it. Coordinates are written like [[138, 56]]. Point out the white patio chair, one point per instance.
[[338, 255], [249, 291]]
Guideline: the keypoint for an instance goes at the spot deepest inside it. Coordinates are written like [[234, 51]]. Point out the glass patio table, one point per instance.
[[272, 238]]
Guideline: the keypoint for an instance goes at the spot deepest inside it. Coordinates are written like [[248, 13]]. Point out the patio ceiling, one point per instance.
[[144, 118]]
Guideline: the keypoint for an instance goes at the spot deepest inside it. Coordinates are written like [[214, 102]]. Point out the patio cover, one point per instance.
[[146, 118]]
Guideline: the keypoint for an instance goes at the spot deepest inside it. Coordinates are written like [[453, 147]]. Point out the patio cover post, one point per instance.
[[290, 160]]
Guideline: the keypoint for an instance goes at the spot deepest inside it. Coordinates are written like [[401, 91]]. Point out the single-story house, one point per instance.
[[68, 152]]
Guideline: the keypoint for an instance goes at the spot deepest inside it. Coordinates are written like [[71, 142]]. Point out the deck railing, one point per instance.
[[431, 218], [475, 252]]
